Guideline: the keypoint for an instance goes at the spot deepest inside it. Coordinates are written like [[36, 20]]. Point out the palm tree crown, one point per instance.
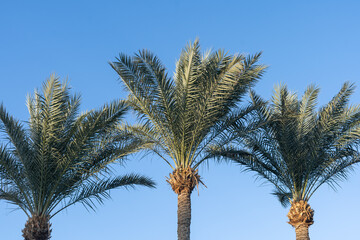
[[185, 114], [62, 158], [298, 148]]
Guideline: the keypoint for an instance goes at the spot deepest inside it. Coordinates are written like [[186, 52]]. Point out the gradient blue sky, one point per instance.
[[303, 42]]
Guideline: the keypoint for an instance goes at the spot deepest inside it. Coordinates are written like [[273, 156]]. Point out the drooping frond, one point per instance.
[[284, 198], [96, 190]]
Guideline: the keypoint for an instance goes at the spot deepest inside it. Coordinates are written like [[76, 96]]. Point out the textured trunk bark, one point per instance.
[[37, 228], [302, 232], [184, 215]]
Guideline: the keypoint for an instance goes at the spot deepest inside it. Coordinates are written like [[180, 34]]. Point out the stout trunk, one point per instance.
[[184, 215], [302, 232], [183, 182]]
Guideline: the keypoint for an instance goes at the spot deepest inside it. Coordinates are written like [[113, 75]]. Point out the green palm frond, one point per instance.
[[95, 190], [283, 197]]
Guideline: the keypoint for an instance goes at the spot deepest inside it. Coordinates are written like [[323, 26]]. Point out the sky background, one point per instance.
[[303, 42]]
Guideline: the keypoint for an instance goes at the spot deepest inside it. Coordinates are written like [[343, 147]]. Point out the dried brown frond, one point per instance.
[[184, 179]]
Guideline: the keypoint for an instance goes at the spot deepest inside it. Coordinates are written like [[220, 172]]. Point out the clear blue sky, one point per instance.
[[303, 42]]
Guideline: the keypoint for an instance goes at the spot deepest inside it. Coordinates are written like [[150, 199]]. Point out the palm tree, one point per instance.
[[62, 157], [185, 114], [298, 148]]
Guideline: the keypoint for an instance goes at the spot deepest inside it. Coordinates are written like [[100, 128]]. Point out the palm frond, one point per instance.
[[98, 190]]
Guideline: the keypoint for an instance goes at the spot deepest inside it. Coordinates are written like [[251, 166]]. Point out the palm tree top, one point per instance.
[[299, 147], [184, 114], [62, 157]]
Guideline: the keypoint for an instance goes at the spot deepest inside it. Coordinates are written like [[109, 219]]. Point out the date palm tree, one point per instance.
[[185, 114], [299, 148], [62, 157]]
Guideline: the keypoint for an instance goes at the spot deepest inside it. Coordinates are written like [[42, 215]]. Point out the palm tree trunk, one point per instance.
[[183, 182], [37, 228], [302, 232], [184, 215]]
